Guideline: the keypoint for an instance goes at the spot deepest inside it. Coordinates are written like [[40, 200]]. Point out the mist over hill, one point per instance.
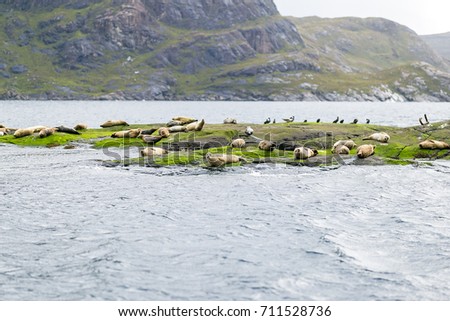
[[208, 50]]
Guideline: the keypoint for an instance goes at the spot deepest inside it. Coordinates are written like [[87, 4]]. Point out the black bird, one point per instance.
[[318, 120], [267, 121], [367, 121], [305, 121], [336, 120], [355, 121], [274, 121], [421, 122], [342, 121], [426, 118]]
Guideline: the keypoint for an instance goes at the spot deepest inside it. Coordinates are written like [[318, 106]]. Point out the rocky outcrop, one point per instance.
[[208, 50]]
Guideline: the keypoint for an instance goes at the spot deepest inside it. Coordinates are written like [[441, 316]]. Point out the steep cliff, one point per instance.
[[204, 49]]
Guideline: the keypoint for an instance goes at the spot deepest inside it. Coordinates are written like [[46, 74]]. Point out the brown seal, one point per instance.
[[112, 123], [222, 159], [47, 132], [266, 145], [304, 152], [131, 133], [433, 144], [350, 144], [153, 151], [379, 137], [238, 143], [365, 151], [80, 127]]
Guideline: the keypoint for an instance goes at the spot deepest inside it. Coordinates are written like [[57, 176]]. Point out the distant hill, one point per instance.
[[440, 43], [208, 50]]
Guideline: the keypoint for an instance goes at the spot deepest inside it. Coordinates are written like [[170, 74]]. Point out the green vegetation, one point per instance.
[[190, 148]]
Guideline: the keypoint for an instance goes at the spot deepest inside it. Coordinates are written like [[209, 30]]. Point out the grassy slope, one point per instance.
[[377, 62]]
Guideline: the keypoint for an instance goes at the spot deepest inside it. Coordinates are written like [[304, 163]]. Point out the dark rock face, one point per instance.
[[19, 69], [209, 14]]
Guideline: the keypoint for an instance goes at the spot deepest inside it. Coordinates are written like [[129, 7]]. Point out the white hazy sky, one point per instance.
[[422, 16]]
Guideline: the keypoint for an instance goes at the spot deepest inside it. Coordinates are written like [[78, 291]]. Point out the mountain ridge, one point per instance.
[[208, 50]]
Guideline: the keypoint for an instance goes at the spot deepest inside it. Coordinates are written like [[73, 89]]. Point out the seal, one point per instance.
[[47, 132], [304, 152], [151, 140], [222, 159], [23, 132], [164, 132], [184, 120], [238, 143], [266, 145], [148, 131], [350, 144], [80, 127], [63, 129], [379, 137], [196, 126], [365, 151], [131, 133], [153, 151], [177, 129], [112, 123], [433, 144], [174, 123], [341, 149], [230, 120]]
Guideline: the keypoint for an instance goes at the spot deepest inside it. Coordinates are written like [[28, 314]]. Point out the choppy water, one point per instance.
[[71, 229]]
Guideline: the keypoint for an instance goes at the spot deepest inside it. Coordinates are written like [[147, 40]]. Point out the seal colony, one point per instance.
[[188, 140]]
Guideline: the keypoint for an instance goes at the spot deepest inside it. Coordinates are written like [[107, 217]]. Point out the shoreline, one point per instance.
[[190, 148]]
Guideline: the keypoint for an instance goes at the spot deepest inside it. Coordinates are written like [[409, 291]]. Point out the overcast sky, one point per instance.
[[423, 16]]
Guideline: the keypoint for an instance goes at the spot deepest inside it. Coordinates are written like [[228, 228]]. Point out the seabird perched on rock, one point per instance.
[[341, 121], [289, 120], [274, 121], [318, 120], [267, 121], [355, 121], [305, 121], [367, 121], [249, 131], [336, 120]]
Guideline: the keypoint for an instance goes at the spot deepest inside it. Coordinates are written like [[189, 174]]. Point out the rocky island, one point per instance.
[[159, 145], [208, 50]]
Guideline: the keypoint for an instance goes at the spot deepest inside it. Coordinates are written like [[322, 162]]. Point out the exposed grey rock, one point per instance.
[[19, 69]]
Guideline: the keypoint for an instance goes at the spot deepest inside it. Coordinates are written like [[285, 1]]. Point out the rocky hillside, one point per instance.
[[206, 49], [440, 43]]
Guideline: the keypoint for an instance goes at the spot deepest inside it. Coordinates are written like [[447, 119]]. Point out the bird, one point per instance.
[[426, 118], [367, 121], [341, 121], [249, 131], [274, 121], [305, 121], [318, 120], [336, 120], [421, 121], [267, 121], [289, 120], [355, 121]]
